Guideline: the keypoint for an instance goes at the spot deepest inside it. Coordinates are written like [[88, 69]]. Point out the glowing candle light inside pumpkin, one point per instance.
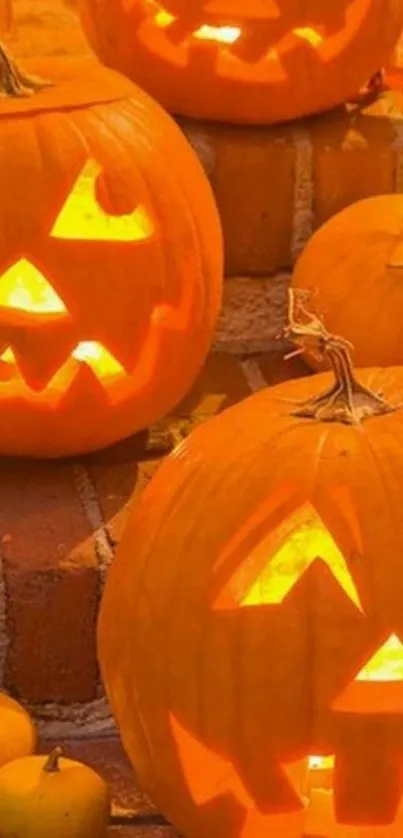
[[98, 358], [312, 36], [24, 288], [221, 34]]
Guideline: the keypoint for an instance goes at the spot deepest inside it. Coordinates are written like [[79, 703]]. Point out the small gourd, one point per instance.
[[53, 797], [17, 731]]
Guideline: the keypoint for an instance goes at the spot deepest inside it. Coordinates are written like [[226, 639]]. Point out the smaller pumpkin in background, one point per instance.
[[52, 797], [353, 269], [17, 731]]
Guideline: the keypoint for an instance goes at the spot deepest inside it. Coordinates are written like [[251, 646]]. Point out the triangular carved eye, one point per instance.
[[378, 686], [278, 562], [24, 288], [83, 219], [386, 664]]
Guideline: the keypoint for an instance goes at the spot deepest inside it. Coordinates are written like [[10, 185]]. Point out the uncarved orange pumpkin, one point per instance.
[[251, 631], [353, 269], [245, 61], [110, 262]]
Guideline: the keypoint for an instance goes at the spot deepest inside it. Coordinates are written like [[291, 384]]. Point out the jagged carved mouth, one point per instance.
[[256, 38], [26, 297], [91, 354]]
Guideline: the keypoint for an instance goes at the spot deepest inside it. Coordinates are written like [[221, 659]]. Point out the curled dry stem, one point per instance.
[[346, 400], [16, 82]]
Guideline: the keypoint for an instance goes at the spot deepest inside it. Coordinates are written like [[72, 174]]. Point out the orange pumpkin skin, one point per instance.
[[110, 263], [222, 678], [353, 268], [278, 61]]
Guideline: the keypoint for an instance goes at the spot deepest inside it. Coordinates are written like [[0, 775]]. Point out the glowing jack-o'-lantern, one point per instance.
[[251, 631], [245, 61], [110, 262]]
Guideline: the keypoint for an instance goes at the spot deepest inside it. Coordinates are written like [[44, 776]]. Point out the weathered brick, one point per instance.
[[275, 185], [276, 368], [51, 583], [353, 157], [135, 831], [252, 177], [123, 471]]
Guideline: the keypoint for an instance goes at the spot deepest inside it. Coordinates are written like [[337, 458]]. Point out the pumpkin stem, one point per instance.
[[52, 763], [347, 400], [15, 82]]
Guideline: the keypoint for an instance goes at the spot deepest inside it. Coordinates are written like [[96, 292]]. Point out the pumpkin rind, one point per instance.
[[353, 268], [252, 687], [150, 299], [277, 61]]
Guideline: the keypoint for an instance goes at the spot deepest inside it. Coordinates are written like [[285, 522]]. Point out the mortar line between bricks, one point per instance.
[[302, 225], [395, 115], [253, 374], [88, 497], [4, 635]]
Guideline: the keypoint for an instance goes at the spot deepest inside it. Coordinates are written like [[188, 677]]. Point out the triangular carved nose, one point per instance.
[[24, 288]]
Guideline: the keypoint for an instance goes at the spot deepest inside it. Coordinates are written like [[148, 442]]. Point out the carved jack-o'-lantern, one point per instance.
[[110, 263], [245, 61], [251, 632]]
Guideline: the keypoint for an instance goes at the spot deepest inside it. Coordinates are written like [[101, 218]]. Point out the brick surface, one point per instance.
[[275, 185], [59, 525], [276, 368], [51, 583], [122, 472], [353, 156], [134, 831]]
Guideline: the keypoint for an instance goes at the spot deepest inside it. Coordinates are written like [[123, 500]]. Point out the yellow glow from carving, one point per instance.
[[82, 217], [231, 34], [163, 19], [321, 763], [102, 363], [8, 356], [23, 287], [386, 664], [221, 34], [98, 358], [305, 540], [310, 35]]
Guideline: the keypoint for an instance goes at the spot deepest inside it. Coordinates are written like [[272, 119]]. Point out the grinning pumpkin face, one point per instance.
[[108, 293], [253, 650], [245, 61]]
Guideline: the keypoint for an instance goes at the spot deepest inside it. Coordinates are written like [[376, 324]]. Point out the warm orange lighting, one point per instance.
[[312, 36], [82, 217], [275, 566], [221, 34], [24, 288], [103, 364], [321, 763], [163, 19], [209, 775], [386, 664], [91, 353]]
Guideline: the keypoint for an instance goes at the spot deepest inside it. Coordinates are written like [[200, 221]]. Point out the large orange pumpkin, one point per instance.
[[251, 631], [245, 61], [353, 270], [110, 261]]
